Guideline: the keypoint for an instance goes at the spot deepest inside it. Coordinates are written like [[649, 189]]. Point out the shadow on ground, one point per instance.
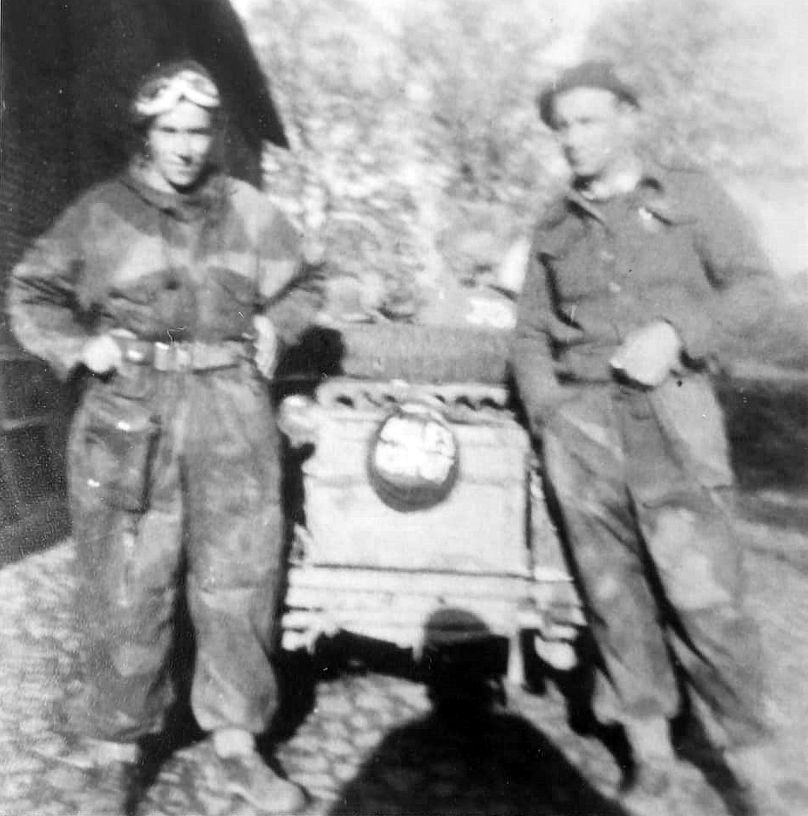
[[480, 763], [462, 752]]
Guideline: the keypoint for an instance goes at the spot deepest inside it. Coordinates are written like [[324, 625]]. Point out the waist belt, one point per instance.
[[182, 356]]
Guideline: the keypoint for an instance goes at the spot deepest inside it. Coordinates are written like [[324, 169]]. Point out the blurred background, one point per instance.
[[417, 151]]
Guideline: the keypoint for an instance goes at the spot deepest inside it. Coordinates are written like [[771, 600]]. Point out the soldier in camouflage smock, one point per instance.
[[633, 276], [172, 286]]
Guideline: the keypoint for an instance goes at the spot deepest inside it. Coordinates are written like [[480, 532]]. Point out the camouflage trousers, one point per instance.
[[644, 485], [174, 484]]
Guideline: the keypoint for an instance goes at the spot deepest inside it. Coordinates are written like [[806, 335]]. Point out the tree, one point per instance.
[[711, 79]]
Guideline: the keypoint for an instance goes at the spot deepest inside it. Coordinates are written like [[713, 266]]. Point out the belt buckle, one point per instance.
[[172, 357], [162, 354]]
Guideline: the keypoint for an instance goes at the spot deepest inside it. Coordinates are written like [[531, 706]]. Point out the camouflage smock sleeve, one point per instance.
[[42, 300], [290, 292], [531, 357], [736, 267]]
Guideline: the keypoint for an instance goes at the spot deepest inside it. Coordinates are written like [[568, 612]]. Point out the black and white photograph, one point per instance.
[[403, 408]]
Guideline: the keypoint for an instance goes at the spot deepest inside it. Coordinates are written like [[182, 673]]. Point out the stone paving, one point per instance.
[[370, 743]]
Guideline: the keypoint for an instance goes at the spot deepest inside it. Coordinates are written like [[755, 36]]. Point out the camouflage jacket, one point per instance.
[[165, 267], [674, 249]]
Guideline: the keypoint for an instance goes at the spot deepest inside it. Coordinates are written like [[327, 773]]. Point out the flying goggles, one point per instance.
[[163, 94]]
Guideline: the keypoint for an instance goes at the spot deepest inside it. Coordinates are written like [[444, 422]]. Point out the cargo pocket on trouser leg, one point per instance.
[[691, 420], [120, 441], [690, 545]]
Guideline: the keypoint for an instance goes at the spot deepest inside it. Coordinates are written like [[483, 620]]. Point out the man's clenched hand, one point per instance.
[[648, 354]]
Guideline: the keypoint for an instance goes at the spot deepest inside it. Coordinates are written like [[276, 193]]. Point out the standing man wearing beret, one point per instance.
[[617, 326]]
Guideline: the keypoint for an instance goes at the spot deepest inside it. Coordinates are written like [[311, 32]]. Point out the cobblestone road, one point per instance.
[[371, 744]]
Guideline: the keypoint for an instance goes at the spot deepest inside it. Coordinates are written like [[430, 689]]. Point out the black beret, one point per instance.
[[590, 74]]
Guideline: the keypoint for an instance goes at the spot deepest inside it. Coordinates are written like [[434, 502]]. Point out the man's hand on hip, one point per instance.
[[648, 354], [102, 354]]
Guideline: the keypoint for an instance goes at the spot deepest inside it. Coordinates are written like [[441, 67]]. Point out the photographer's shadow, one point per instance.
[[490, 762], [469, 755]]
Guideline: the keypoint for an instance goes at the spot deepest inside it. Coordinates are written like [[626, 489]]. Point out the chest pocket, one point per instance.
[[580, 272], [233, 289], [233, 302], [565, 252], [660, 246]]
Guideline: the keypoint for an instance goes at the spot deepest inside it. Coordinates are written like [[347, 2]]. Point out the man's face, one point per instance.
[[596, 130], [179, 144]]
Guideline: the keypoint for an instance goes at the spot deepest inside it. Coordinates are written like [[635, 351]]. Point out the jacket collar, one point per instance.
[[205, 201], [651, 193]]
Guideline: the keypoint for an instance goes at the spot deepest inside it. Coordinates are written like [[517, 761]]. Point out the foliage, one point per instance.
[[711, 79], [416, 151], [477, 62], [400, 128]]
